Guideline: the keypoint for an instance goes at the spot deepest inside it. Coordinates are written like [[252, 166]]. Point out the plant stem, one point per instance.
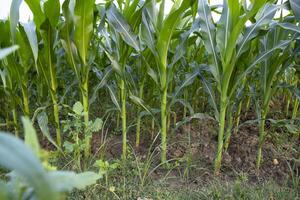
[[85, 102], [164, 117], [220, 137], [295, 109], [56, 118], [152, 128], [228, 131], [123, 116], [25, 100], [287, 108], [138, 123], [261, 139], [185, 95], [15, 119], [248, 101], [238, 117]]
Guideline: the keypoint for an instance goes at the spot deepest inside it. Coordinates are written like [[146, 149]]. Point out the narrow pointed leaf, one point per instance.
[[84, 16], [119, 23], [30, 31], [38, 15], [208, 34], [6, 51], [295, 5], [14, 17]]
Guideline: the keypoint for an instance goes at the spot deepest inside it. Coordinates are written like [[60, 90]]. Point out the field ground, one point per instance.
[[189, 174]]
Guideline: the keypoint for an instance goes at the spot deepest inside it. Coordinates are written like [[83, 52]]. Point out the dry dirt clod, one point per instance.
[[275, 162]]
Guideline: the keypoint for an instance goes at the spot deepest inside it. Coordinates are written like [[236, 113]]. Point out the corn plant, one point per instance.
[[268, 84], [121, 29], [7, 85], [46, 21], [225, 44], [76, 36], [17, 67], [164, 28]]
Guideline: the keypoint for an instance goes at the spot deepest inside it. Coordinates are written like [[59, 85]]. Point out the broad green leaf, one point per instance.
[[78, 108], [65, 181], [295, 5], [146, 34], [96, 125], [119, 23], [114, 98], [289, 26], [42, 119], [30, 136], [223, 30], [261, 57], [189, 79], [234, 10], [138, 101], [209, 35], [14, 17], [160, 15], [114, 63], [52, 11], [32, 38], [66, 32], [212, 97], [84, 16], [20, 158], [23, 52], [236, 31], [268, 12], [152, 74], [167, 30], [38, 15], [199, 116], [6, 51], [103, 81]]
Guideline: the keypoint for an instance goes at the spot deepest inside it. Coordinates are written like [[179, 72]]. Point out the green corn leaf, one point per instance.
[[189, 79], [153, 74], [212, 97], [6, 51], [114, 98], [23, 52], [84, 16], [289, 26], [146, 34], [167, 31], [268, 13], [140, 102], [38, 15], [42, 119], [14, 17], [119, 23], [261, 57], [65, 181], [209, 35], [30, 136], [52, 11], [29, 29], [223, 30], [236, 31], [199, 116], [22, 160], [295, 5]]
